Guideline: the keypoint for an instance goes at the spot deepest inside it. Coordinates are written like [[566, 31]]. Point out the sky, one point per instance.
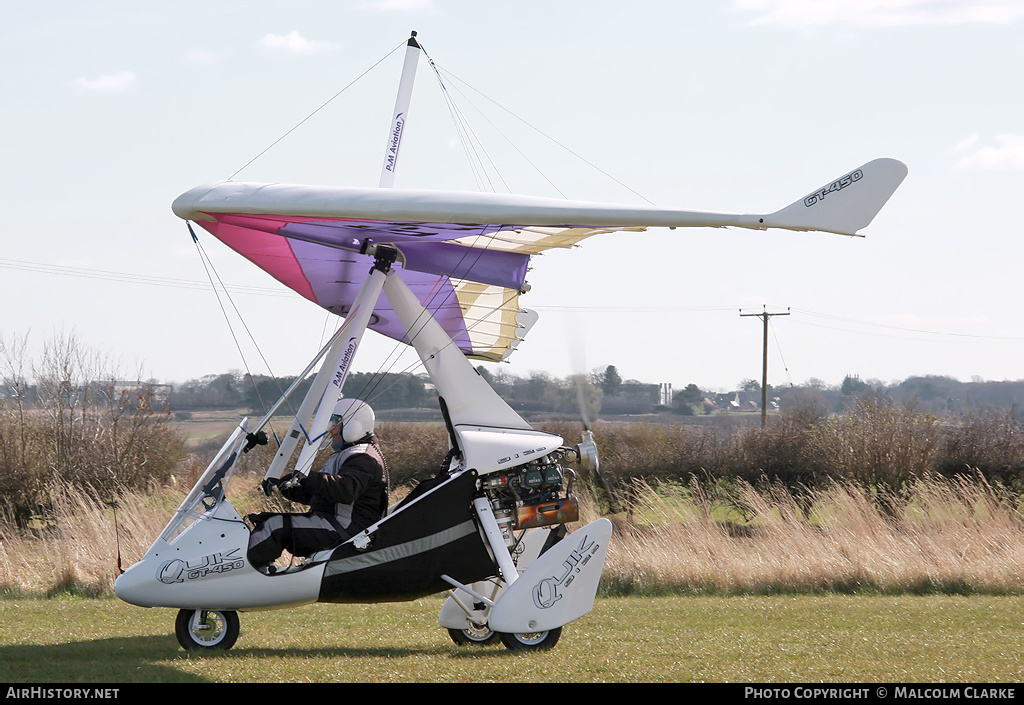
[[112, 109]]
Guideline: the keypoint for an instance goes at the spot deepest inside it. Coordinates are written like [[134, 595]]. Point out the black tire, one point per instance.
[[474, 636], [206, 629], [531, 641]]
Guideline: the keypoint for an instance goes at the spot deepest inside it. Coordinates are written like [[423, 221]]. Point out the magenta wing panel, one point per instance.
[[320, 260]]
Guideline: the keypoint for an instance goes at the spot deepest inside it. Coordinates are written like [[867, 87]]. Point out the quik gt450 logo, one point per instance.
[[550, 590], [837, 185], [178, 571]]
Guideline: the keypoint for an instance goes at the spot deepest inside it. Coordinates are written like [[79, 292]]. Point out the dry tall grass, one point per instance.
[[950, 535], [78, 551]]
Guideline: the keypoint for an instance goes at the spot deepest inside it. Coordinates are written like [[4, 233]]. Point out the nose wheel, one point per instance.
[[474, 636], [528, 641], [206, 629], [531, 641]]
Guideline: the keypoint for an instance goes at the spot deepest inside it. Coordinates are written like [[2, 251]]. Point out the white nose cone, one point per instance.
[[135, 587]]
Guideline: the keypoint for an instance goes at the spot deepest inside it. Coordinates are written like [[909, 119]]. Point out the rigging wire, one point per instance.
[[243, 167], [473, 148], [211, 273], [324, 105], [470, 141], [504, 137], [371, 389], [551, 139], [463, 132]]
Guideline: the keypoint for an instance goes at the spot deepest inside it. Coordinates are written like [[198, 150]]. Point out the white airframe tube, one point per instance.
[[360, 315], [331, 376], [412, 55], [470, 400], [495, 540]]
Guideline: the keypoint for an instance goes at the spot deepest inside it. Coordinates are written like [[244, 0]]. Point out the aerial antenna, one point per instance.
[[117, 535]]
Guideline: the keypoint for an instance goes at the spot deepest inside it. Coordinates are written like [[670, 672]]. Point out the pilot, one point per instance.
[[348, 494]]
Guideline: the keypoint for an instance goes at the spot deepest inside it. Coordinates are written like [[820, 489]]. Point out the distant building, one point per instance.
[[159, 392]]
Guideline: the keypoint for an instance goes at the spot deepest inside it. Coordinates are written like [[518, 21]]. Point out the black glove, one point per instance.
[[295, 479], [268, 485], [254, 439]]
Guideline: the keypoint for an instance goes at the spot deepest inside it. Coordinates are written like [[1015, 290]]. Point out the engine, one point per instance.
[[536, 494]]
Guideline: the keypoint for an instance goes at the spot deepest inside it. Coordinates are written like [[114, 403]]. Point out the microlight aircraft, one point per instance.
[[442, 272]]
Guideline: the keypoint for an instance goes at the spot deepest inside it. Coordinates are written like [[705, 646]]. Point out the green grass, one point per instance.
[[827, 638]]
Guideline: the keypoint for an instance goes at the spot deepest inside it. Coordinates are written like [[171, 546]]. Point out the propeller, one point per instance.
[[587, 449]]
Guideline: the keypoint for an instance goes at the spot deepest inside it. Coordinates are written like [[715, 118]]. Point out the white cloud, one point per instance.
[[422, 6], [293, 44], [110, 83], [966, 145], [204, 56], [1007, 152], [879, 13]]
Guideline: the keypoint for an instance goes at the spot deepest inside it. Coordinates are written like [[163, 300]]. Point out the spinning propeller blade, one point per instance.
[[587, 449]]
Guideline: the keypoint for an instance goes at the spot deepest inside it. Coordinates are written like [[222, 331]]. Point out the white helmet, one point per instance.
[[356, 419]]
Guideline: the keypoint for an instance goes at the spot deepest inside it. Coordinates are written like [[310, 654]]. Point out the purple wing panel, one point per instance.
[[320, 260], [495, 267], [427, 246]]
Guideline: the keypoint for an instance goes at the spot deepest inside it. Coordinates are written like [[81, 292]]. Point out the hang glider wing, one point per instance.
[[465, 255]]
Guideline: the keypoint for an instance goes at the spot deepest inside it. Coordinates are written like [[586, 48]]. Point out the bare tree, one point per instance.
[[84, 426]]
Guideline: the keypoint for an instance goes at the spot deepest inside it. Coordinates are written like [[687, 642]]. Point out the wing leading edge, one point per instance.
[[465, 255]]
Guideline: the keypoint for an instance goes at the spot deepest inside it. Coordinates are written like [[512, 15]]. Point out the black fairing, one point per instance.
[[413, 547]]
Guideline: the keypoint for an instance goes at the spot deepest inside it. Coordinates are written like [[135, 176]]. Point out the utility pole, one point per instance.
[[764, 366]]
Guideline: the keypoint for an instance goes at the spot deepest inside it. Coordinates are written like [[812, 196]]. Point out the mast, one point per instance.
[[412, 53], [330, 379], [328, 383]]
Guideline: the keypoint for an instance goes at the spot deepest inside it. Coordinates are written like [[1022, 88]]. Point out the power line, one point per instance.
[[153, 280], [908, 329], [127, 277]]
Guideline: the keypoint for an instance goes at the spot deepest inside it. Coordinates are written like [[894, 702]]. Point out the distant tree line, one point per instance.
[[258, 393], [603, 392], [70, 417], [936, 394]]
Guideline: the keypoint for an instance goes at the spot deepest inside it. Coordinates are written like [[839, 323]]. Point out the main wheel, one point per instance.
[[531, 641], [473, 636], [206, 629]]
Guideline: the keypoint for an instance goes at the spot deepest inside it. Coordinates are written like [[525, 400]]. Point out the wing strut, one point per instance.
[[330, 379]]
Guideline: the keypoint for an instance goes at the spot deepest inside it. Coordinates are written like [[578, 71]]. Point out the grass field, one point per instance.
[[750, 585], [791, 639]]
